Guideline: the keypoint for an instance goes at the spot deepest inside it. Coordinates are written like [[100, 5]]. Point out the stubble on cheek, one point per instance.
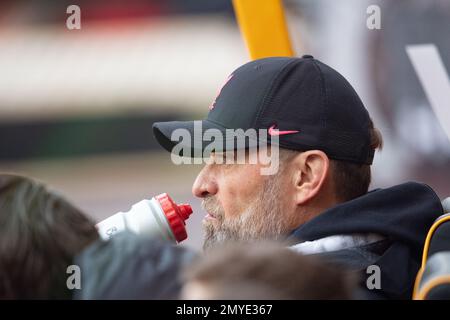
[[263, 219]]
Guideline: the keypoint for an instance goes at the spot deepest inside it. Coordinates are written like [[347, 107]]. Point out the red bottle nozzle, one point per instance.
[[185, 210], [175, 214]]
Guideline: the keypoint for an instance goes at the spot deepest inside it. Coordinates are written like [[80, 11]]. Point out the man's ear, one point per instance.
[[311, 170]]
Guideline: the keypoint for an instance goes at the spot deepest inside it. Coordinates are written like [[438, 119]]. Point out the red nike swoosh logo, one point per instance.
[[276, 132]]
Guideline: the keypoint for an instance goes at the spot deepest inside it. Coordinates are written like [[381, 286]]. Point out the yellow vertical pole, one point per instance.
[[263, 26]]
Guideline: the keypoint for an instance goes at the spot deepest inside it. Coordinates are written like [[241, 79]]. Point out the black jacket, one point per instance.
[[402, 214]]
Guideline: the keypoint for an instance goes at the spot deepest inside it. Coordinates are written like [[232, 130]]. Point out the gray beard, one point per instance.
[[263, 220]]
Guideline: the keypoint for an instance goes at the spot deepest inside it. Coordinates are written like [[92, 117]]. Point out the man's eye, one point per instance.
[[231, 157], [219, 158], [222, 158]]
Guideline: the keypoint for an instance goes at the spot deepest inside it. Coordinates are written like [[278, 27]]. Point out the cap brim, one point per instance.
[[197, 139]]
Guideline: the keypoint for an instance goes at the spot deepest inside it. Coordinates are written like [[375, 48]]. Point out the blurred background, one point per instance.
[[77, 106]]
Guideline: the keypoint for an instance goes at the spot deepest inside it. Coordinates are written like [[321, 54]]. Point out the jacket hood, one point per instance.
[[402, 213]]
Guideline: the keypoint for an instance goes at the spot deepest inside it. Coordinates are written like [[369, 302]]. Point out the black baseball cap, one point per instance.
[[303, 101]]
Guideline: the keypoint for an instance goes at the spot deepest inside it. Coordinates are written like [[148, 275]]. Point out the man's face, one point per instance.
[[242, 204]]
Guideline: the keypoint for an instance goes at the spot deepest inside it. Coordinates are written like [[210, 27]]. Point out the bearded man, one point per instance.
[[318, 200]]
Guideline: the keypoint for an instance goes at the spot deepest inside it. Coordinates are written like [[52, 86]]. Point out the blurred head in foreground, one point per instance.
[[265, 271], [40, 233]]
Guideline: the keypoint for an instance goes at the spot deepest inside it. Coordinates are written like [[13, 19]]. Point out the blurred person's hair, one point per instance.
[[351, 180], [265, 271], [40, 233]]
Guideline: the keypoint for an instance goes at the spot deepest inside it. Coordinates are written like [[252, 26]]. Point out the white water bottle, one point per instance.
[[160, 217]]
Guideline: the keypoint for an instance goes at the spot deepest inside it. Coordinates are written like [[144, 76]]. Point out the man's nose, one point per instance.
[[205, 184]]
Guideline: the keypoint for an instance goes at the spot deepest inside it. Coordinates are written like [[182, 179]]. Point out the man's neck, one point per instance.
[[313, 209]]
